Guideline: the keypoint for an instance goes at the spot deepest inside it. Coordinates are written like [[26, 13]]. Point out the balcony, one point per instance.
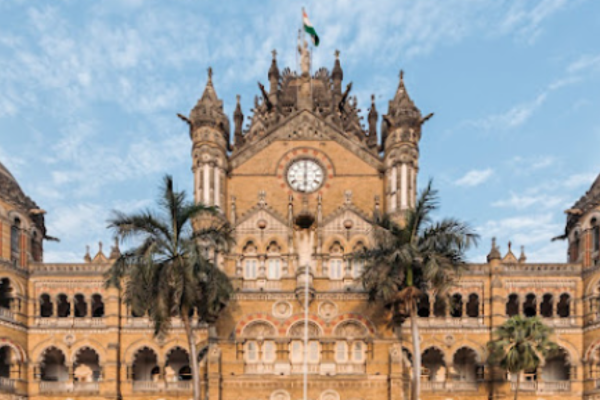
[[446, 322], [69, 322], [259, 368], [299, 368], [181, 386], [147, 386], [350, 368], [7, 385], [7, 314], [262, 285], [542, 387], [449, 386], [69, 387]]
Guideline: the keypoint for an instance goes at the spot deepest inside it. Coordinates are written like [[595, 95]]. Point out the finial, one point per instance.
[[372, 99], [87, 257], [274, 52], [210, 73], [522, 257], [336, 53], [237, 98], [494, 242], [99, 247], [402, 75], [509, 246]]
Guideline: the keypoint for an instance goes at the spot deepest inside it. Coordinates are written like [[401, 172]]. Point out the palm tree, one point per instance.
[[166, 273], [412, 257], [521, 344]]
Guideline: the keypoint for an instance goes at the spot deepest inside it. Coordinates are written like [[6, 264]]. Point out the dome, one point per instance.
[[11, 192], [4, 171]]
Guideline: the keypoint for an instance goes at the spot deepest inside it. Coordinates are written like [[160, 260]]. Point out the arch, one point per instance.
[[556, 366], [6, 293], [88, 344], [136, 346], [248, 319], [80, 306], [547, 306], [424, 307], [351, 317], [330, 395], [351, 328], [279, 395], [144, 364], [331, 239], [259, 328], [434, 364], [63, 306], [439, 307], [299, 317], [97, 306], [359, 239], [46, 306], [17, 350], [25, 222], [530, 305], [588, 222], [563, 307], [178, 360], [277, 241], [249, 247], [512, 305], [456, 305], [304, 152], [15, 283], [53, 365], [465, 362], [473, 306], [297, 329], [86, 364]]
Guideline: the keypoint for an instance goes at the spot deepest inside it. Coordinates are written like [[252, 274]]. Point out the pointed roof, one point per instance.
[[274, 70], [337, 73], [402, 103], [209, 109], [509, 257]]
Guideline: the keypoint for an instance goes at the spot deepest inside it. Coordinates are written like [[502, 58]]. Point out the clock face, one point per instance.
[[305, 176]]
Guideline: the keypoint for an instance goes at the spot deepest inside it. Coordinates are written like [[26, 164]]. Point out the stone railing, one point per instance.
[[450, 386], [559, 322], [180, 386], [7, 385], [69, 322], [299, 368], [69, 387], [259, 368], [542, 269], [349, 368], [542, 387], [148, 386], [5, 313], [88, 387], [445, 322], [57, 269], [262, 284]]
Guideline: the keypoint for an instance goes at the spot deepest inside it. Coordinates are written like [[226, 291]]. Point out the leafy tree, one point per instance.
[[521, 344], [167, 273], [410, 258]]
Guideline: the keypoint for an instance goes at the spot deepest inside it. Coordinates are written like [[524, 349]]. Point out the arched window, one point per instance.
[[434, 367], [358, 266], [87, 361], [473, 306], [80, 306], [358, 352], [251, 351], [6, 293], [457, 305], [53, 367], [296, 353], [313, 351], [563, 308], [268, 351], [595, 234], [250, 268], [178, 359], [341, 351], [439, 307], [530, 305], [274, 269], [512, 305], [465, 365], [6, 360], [15, 241], [97, 306], [63, 308], [423, 310], [46, 307], [546, 308], [336, 263]]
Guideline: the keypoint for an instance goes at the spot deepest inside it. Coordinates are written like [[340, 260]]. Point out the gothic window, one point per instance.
[[546, 306], [80, 306], [274, 269], [439, 307], [313, 351], [456, 306], [336, 269], [45, 306], [63, 308], [53, 367], [358, 266], [358, 353], [296, 353], [250, 268], [563, 308], [145, 365], [473, 306], [87, 365], [97, 306], [512, 305], [530, 305], [341, 352], [423, 306], [251, 351], [15, 241], [269, 351], [596, 234], [6, 293]]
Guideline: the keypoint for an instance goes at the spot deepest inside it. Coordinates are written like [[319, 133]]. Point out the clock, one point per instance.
[[305, 175]]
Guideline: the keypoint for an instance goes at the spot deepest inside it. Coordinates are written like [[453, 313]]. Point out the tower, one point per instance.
[[209, 131], [400, 136]]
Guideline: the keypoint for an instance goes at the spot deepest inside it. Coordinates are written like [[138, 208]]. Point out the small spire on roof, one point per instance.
[[522, 257], [494, 252], [87, 257]]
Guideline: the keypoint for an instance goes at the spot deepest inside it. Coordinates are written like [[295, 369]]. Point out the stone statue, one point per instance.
[[304, 58], [170, 375], [83, 373]]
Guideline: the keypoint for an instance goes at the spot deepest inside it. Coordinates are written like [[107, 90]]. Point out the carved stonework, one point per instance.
[[328, 310], [282, 309]]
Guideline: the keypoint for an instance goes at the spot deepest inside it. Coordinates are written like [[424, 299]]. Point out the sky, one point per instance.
[[89, 93]]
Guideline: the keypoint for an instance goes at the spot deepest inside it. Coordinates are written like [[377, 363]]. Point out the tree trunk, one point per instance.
[[416, 378], [518, 384], [193, 354]]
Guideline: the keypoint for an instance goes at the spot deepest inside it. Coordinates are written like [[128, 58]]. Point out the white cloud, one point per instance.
[[514, 117], [526, 18], [585, 62], [475, 177], [520, 202]]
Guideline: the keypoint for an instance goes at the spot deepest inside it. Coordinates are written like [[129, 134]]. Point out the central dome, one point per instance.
[[4, 171]]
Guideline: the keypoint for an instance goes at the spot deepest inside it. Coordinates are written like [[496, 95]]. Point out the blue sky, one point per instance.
[[89, 92]]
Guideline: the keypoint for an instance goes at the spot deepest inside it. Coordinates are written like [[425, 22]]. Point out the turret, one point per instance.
[[372, 118], [238, 119], [400, 136], [274, 79], [209, 131], [337, 75]]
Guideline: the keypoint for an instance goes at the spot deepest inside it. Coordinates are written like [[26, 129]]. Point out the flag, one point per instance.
[[308, 28]]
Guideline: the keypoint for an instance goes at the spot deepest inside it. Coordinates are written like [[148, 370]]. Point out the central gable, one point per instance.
[[306, 126]]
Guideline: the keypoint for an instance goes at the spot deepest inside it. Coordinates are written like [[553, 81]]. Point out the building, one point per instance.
[[299, 185]]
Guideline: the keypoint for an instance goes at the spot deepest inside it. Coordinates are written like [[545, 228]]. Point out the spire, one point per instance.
[[522, 257], [509, 257], [337, 75], [115, 252], [494, 252], [274, 70], [402, 102], [238, 118], [208, 111], [372, 118]]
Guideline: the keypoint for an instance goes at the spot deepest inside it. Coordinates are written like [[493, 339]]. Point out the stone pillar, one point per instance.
[[403, 187], [205, 184], [217, 187], [393, 189]]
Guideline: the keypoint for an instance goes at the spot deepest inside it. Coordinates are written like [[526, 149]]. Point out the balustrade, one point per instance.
[[542, 387], [7, 384]]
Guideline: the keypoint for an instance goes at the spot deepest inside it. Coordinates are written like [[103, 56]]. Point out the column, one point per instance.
[[197, 183], [205, 186], [217, 191], [394, 188], [403, 187]]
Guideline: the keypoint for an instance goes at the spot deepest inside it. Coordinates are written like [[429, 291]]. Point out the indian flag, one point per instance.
[[308, 28]]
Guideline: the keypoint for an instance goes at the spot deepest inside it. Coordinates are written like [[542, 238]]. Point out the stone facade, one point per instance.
[[63, 335]]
